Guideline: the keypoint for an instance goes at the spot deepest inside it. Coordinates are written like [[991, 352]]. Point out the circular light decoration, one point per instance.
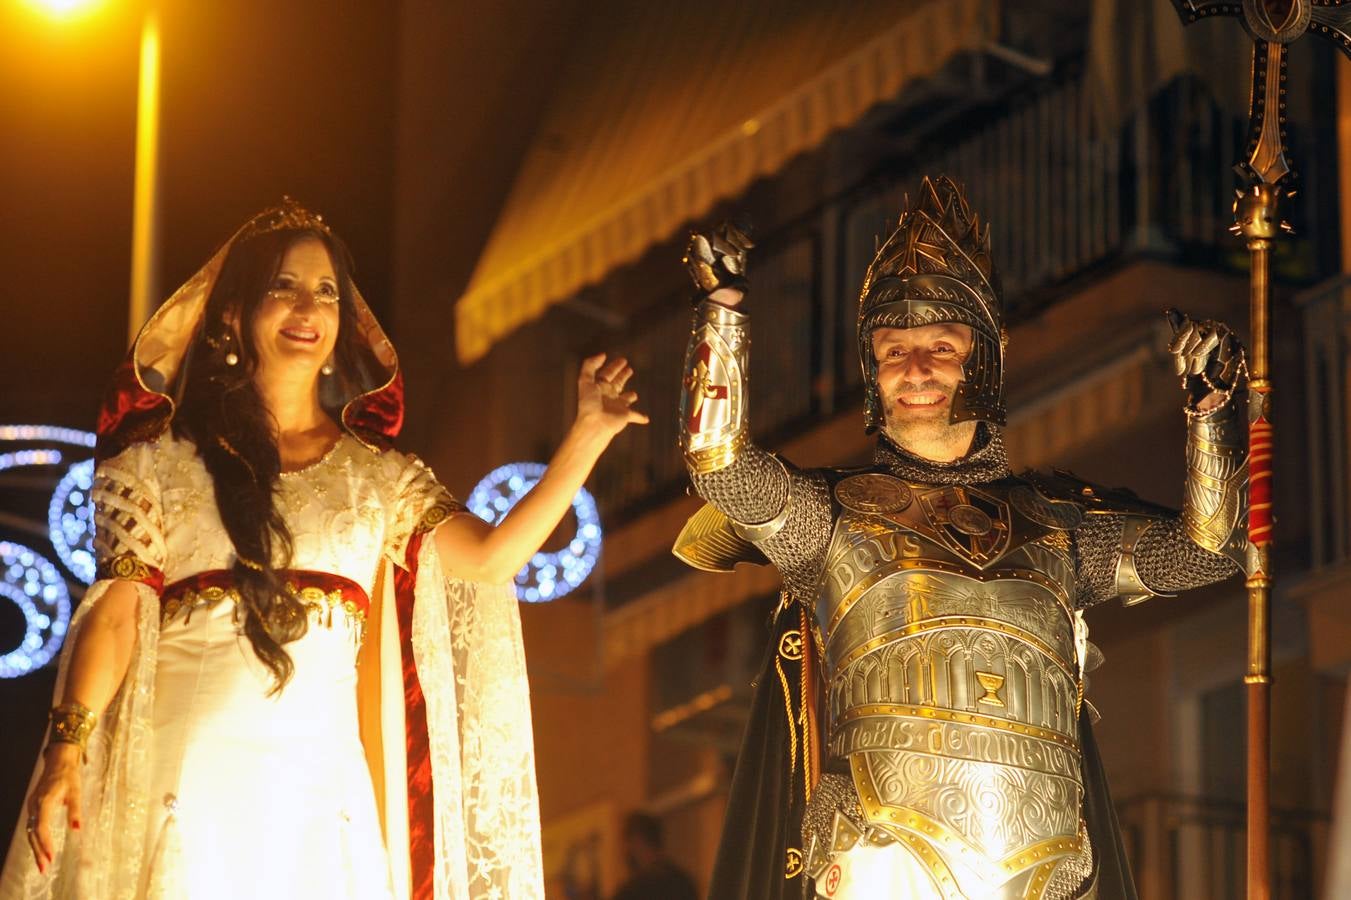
[[33, 584], [70, 520], [30, 581], [549, 574], [49, 433], [30, 458]]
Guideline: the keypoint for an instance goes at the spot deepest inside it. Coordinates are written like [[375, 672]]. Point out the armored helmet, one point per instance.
[[936, 267]]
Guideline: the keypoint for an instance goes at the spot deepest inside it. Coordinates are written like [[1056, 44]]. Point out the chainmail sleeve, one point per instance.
[[1168, 560], [784, 510], [753, 489], [1137, 556], [1134, 557]]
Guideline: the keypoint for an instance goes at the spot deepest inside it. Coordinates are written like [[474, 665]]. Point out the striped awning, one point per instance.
[[665, 109]]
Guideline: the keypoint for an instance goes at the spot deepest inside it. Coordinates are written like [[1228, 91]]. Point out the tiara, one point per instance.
[[286, 216]]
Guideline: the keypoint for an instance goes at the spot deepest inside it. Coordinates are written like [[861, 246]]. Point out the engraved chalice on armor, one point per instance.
[[992, 683]]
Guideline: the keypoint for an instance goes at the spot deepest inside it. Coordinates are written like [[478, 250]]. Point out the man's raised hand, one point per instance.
[[717, 264], [1207, 356]]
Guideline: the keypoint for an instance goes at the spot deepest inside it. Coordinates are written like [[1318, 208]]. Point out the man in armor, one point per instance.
[[933, 604]]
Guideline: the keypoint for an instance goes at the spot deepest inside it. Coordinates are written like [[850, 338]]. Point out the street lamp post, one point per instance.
[[145, 190], [145, 211]]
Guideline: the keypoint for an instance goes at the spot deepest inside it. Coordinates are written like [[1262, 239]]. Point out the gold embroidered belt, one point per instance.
[[318, 592]]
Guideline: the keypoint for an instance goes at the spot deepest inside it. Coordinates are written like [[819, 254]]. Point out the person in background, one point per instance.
[[652, 876]]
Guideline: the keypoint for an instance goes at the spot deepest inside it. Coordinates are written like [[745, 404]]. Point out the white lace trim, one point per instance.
[[105, 859], [471, 663]]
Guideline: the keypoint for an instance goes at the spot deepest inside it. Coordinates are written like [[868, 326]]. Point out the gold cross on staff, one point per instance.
[[1272, 24]]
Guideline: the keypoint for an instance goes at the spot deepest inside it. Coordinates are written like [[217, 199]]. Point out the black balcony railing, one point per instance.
[[1327, 376], [1062, 203], [1194, 848]]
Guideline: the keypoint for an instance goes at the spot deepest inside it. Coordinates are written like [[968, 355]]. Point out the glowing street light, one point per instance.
[[65, 7], [145, 212]]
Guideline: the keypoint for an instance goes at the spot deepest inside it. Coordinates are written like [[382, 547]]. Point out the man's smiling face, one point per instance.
[[918, 370]]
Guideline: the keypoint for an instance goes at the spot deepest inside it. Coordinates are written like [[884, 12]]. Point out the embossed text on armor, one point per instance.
[[957, 741], [865, 556]]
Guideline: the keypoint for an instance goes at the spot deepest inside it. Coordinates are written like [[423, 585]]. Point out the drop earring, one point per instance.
[[327, 367], [231, 358]]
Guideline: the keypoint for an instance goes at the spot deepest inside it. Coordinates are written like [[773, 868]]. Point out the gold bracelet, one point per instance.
[[72, 723]]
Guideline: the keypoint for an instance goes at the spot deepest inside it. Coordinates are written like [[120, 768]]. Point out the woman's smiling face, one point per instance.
[[295, 326]]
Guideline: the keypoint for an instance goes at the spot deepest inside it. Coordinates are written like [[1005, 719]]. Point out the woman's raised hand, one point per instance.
[[604, 407], [477, 551]]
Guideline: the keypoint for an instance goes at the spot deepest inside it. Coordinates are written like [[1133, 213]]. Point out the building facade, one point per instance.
[[1108, 204]]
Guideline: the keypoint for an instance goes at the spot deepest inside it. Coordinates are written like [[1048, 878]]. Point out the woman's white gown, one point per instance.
[[202, 785], [258, 795]]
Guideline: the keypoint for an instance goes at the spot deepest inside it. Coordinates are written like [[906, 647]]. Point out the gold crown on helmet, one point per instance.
[[939, 235], [289, 215], [936, 267]]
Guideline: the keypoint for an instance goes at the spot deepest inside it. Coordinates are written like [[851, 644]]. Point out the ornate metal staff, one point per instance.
[[1272, 24]]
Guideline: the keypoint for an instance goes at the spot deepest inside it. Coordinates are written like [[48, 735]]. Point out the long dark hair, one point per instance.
[[222, 413]]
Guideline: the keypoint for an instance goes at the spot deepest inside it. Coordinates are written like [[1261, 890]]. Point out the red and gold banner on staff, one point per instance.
[[1260, 519]]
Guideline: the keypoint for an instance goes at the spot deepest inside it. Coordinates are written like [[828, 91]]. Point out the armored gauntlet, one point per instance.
[[718, 260], [1214, 510], [713, 429]]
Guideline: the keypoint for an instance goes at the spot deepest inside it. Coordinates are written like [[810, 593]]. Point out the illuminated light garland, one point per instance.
[[549, 574], [29, 580], [70, 521], [54, 433], [33, 584], [30, 458]]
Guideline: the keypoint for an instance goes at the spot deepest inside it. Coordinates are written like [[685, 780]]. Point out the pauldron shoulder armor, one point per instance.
[[1091, 498], [712, 542]]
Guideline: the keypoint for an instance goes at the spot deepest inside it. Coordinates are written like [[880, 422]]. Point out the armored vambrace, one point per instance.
[[1214, 510], [713, 429]]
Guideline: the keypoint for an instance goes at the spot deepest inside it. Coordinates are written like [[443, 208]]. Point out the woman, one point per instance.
[[300, 671]]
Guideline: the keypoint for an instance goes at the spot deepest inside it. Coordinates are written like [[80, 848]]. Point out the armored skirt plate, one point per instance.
[[849, 861]]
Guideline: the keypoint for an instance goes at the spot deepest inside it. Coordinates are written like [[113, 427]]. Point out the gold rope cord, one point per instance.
[[788, 708], [808, 711]]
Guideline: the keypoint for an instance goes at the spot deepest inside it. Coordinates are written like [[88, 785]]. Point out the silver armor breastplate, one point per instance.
[[953, 681]]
